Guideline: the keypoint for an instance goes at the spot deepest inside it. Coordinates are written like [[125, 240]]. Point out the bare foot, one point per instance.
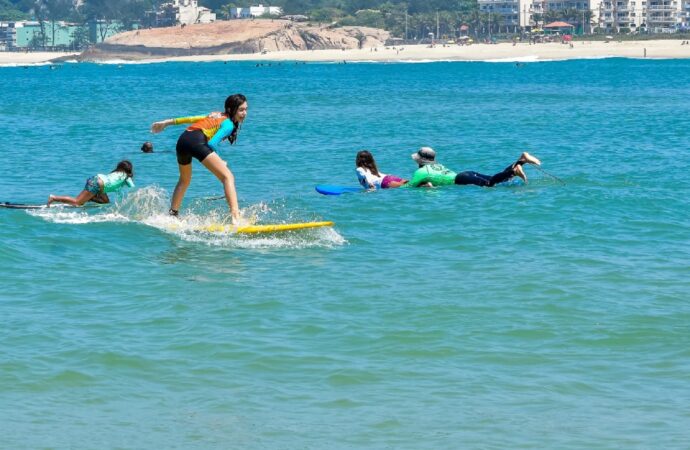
[[517, 170], [50, 200], [529, 159]]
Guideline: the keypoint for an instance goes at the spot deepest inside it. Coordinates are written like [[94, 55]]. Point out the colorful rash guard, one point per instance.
[[114, 181], [436, 174], [215, 129]]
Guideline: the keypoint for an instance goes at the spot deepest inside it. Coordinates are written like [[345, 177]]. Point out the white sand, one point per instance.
[[19, 58], [655, 49]]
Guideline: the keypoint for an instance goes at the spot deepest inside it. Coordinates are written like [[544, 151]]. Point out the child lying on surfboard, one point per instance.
[[369, 176], [97, 186]]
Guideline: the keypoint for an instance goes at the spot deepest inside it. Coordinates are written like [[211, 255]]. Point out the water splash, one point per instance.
[[149, 206]]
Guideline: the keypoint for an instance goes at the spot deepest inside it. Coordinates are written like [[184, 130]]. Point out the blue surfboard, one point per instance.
[[331, 189]]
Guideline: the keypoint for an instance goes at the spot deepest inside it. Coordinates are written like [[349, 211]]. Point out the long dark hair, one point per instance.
[[125, 167], [366, 159], [232, 104]]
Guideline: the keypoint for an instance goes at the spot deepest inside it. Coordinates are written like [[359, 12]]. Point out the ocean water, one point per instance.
[[548, 315]]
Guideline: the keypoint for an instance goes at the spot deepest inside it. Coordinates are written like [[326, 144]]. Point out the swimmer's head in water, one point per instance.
[[147, 147]]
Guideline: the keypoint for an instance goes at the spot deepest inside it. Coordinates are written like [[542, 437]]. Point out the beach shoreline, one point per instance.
[[652, 49], [28, 58]]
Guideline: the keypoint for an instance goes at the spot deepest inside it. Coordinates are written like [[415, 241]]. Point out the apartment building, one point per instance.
[[655, 16]]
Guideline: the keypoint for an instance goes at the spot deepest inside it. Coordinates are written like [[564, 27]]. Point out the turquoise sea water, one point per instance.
[[545, 315]]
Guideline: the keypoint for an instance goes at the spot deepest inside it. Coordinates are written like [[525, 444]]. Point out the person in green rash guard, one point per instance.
[[431, 173], [98, 186]]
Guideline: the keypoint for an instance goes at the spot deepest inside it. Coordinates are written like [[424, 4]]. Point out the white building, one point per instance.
[[525, 14], [656, 16], [187, 12], [685, 15], [255, 11]]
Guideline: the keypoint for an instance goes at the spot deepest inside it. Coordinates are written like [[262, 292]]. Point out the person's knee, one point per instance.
[[228, 179], [226, 176]]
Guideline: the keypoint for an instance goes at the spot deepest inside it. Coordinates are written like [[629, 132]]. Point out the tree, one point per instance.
[[80, 37], [39, 10], [225, 10], [56, 10], [325, 15], [11, 11], [369, 18], [103, 13], [131, 12]]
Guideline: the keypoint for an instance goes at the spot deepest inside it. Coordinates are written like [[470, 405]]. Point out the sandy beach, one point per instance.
[[653, 49], [19, 58]]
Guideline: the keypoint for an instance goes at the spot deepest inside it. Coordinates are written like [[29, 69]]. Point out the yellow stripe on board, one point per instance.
[[254, 229]]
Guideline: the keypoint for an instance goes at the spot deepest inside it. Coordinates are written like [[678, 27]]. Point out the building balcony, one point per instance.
[[616, 9], [662, 8], [665, 19]]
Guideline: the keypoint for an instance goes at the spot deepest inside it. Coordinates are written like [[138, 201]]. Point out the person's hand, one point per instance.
[[215, 115], [157, 127]]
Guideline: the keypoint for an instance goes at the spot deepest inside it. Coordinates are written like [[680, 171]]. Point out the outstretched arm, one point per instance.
[[157, 127]]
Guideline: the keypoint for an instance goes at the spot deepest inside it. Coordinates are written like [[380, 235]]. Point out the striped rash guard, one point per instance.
[[215, 129]]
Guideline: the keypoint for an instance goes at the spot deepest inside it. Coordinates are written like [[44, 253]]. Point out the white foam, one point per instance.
[[123, 62], [73, 216], [33, 64], [528, 58], [149, 206]]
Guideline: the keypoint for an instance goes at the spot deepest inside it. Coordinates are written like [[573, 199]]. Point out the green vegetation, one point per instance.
[[408, 19], [120, 10], [417, 17]]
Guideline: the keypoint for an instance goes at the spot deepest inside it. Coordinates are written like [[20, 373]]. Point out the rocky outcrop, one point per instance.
[[232, 37]]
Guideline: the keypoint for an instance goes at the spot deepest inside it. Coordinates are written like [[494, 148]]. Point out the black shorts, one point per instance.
[[192, 144]]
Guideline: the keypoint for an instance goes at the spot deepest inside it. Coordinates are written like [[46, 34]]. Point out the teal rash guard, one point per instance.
[[114, 181]]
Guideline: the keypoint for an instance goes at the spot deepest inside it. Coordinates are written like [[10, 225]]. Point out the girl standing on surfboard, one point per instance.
[[201, 140], [98, 186], [369, 176]]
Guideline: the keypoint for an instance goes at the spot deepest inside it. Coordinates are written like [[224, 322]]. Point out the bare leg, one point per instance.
[[397, 184], [83, 197], [519, 172], [182, 185], [220, 169], [101, 198], [529, 159]]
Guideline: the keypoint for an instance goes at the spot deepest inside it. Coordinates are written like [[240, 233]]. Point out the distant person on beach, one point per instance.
[[201, 140], [369, 176], [147, 147], [98, 186], [432, 173]]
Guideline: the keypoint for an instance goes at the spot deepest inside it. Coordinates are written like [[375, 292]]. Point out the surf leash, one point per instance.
[[554, 177]]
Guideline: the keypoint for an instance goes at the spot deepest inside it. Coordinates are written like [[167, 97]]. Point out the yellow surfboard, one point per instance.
[[256, 229]]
